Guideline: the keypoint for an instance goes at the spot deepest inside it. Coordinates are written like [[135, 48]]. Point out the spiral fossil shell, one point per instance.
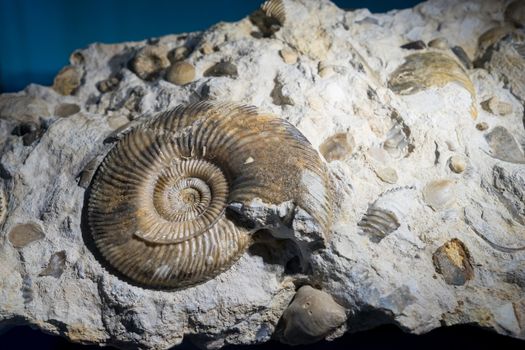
[[157, 208]]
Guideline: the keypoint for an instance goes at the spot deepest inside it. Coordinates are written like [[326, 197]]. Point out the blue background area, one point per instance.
[[37, 36]]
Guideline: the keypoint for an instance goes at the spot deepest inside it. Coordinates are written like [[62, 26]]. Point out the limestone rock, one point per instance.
[[393, 126]]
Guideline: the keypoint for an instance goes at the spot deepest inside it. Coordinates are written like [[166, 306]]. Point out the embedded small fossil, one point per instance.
[[178, 54], [462, 56], [438, 43], [388, 175], [108, 84], [288, 55], [495, 106], [66, 109], [398, 142], [23, 234], [452, 260], [384, 215], [439, 194], [414, 45], [68, 80], [180, 73], [27, 290], [482, 126], [423, 70], [55, 266], [274, 9], [150, 61], [457, 164], [222, 69], [504, 146], [337, 147], [312, 315], [157, 209]]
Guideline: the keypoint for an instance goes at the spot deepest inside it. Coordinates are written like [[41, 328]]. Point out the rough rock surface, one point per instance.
[[381, 271]]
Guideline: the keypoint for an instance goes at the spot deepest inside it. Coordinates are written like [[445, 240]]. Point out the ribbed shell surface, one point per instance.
[[157, 204]]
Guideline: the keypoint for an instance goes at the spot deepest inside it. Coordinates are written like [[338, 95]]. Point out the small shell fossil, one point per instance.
[[497, 107], [312, 315], [108, 84], [68, 80], [27, 290], [206, 48], [325, 69], [504, 146], [289, 56], [462, 56], [150, 61], [3, 204], [397, 142], [157, 209], [452, 260], [384, 215], [439, 194], [414, 45], [275, 9], [482, 126], [337, 147], [388, 175], [23, 234], [491, 36], [377, 223], [426, 69], [457, 164], [438, 43], [181, 73], [56, 264], [179, 53]]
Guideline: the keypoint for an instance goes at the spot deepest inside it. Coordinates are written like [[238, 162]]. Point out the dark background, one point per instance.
[[36, 38], [382, 338]]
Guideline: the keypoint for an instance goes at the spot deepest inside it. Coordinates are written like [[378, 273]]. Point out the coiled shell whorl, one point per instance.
[[157, 208]]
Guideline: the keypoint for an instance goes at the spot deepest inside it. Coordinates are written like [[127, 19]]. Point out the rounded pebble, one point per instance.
[[181, 73], [457, 164]]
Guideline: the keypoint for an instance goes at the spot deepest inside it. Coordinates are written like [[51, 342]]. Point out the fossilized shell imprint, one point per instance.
[[275, 9], [157, 210], [421, 71]]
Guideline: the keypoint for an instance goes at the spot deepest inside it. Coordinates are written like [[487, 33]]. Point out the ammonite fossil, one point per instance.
[[157, 208]]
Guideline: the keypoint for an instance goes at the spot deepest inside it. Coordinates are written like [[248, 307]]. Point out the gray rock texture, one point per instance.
[[391, 256]]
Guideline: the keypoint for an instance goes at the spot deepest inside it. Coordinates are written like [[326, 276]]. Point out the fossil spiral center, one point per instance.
[[190, 191], [190, 194]]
